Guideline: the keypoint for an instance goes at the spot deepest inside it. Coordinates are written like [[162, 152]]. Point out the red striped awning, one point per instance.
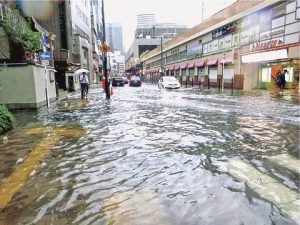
[[212, 62], [191, 65], [200, 63], [227, 60]]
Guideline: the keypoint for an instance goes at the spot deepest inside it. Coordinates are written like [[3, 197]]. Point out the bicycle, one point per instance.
[[84, 91]]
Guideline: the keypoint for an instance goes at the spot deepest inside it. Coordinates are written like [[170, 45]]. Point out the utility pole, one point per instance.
[[104, 55], [161, 54]]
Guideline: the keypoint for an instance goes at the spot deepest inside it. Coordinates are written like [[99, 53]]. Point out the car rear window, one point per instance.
[[135, 78]]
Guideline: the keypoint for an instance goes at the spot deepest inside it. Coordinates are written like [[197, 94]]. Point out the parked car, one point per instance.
[[168, 82], [135, 81], [117, 81], [125, 80]]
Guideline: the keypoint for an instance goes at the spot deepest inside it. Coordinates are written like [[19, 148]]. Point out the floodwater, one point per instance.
[[151, 156]]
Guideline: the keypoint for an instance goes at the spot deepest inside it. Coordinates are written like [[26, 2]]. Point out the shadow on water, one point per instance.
[[153, 156]]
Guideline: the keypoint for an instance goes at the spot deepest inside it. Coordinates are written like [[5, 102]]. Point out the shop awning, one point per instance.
[[189, 66], [212, 62], [200, 63], [172, 68], [227, 60], [177, 67], [183, 66], [167, 69]]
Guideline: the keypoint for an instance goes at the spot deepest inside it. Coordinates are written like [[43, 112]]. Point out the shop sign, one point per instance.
[[265, 35], [236, 39], [266, 44], [245, 37], [227, 42], [215, 45], [227, 29], [277, 32], [221, 43], [209, 47], [194, 50], [254, 34]]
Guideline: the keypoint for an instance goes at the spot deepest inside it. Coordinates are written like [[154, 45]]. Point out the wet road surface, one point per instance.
[[152, 156]]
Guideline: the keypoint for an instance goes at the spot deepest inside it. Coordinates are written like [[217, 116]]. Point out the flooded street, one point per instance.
[[152, 156]]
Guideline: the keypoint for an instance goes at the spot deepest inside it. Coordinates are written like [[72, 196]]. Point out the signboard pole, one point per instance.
[[223, 72], [46, 87]]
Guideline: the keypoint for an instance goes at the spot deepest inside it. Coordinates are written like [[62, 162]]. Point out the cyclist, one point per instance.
[[84, 84]]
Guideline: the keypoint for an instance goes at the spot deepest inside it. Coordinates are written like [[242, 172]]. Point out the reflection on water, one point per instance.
[[153, 156]]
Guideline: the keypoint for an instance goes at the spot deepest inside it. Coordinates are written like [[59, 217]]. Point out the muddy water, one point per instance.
[[153, 156]]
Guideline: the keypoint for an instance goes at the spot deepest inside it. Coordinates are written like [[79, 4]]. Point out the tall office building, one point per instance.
[[114, 37], [97, 7]]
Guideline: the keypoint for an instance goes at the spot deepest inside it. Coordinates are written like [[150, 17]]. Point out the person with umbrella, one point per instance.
[[84, 84]]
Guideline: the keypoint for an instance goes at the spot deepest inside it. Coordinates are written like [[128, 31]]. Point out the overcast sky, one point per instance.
[[185, 12]]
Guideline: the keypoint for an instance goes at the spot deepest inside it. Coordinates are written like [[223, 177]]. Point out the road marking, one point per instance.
[[286, 161], [12, 184], [135, 207], [267, 187]]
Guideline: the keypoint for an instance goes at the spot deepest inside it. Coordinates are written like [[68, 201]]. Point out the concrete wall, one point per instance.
[[23, 86]]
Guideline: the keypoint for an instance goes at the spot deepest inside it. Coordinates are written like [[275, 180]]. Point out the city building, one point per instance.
[[77, 28], [243, 46], [149, 35], [116, 63], [146, 20], [114, 37]]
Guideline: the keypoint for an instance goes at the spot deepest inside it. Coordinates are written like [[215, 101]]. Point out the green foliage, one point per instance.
[[6, 120], [21, 33]]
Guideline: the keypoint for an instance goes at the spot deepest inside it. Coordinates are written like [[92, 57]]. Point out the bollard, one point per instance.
[[200, 82], [231, 85], [192, 82], [219, 83], [208, 82]]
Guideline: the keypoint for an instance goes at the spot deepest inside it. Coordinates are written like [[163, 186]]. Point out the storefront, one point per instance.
[[212, 70], [271, 63], [270, 70], [191, 72], [228, 73], [200, 71]]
